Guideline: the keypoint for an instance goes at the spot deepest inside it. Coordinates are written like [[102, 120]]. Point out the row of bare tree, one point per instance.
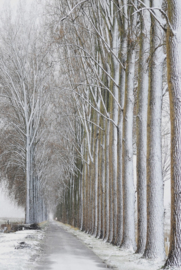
[[82, 86], [121, 57], [36, 134]]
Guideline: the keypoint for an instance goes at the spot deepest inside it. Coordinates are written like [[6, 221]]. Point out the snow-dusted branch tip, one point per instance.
[[70, 12]]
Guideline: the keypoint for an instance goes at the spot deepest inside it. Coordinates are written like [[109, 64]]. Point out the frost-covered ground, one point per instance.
[[12, 254], [112, 255], [4, 220], [13, 258]]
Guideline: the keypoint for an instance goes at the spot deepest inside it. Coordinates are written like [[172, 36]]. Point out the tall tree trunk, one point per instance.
[[174, 85], [89, 199], [103, 167], [128, 241], [155, 207], [93, 179], [92, 185], [96, 176], [87, 194], [123, 24], [83, 190], [89, 229], [94, 172], [107, 179], [28, 178], [99, 233], [142, 102], [116, 47], [111, 205]]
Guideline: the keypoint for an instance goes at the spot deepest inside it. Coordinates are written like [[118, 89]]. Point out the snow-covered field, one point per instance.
[[112, 255], [4, 220], [16, 256]]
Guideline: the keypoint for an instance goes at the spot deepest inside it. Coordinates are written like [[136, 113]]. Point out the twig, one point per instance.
[[80, 3]]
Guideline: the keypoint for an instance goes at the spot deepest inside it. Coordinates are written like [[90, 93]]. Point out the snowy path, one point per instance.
[[62, 250], [113, 256], [63, 247]]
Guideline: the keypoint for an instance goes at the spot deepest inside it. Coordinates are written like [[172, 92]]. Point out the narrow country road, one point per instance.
[[63, 251]]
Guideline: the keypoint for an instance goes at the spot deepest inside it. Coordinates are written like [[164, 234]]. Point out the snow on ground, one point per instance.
[[12, 256], [113, 256]]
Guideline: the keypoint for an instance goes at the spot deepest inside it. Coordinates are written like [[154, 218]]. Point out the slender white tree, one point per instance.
[[24, 82], [142, 101], [155, 207], [174, 85], [128, 240]]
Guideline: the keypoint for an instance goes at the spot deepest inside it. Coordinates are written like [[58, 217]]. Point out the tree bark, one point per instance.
[[128, 241], [96, 176], [174, 85], [107, 179], [123, 34], [142, 102], [155, 208]]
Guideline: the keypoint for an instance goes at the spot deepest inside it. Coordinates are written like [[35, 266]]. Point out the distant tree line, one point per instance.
[[36, 141]]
